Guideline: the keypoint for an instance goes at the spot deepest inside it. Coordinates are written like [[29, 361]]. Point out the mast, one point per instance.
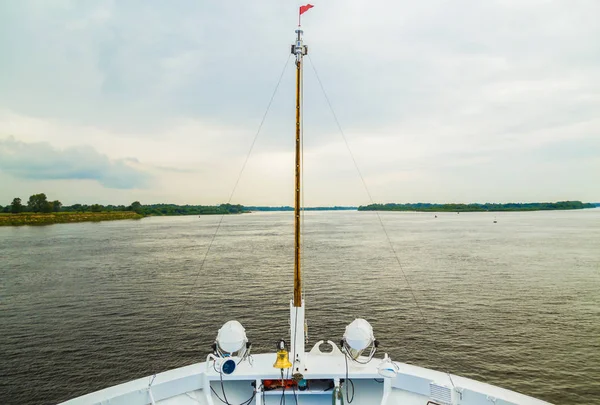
[[297, 322], [299, 50]]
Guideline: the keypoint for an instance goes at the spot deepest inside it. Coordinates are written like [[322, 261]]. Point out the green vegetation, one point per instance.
[[40, 211], [29, 218], [172, 209], [288, 208], [561, 205], [160, 209], [16, 206], [40, 203]]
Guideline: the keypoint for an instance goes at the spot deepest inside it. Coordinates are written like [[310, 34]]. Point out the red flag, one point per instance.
[[304, 9]]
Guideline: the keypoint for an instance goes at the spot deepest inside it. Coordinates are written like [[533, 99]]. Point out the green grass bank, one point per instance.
[[31, 218]]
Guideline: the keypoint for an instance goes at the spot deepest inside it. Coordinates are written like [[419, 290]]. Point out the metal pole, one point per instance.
[[297, 273]]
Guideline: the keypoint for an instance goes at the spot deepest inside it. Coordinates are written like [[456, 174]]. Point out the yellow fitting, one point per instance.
[[283, 360]]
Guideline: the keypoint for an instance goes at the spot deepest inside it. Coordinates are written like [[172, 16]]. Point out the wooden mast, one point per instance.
[[299, 50]]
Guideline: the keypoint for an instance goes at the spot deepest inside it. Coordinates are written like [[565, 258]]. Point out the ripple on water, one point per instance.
[[89, 305]]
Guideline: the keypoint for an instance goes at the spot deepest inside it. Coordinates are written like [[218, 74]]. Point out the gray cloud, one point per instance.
[[418, 87], [41, 161], [135, 67]]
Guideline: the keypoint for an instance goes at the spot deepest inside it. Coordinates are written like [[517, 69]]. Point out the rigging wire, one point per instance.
[[293, 348], [418, 306], [236, 184], [302, 211], [262, 121], [185, 301], [366, 188]]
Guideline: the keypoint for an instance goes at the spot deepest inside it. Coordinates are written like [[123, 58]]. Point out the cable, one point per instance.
[[294, 346], [282, 400], [237, 182], [224, 399], [246, 355], [369, 358], [302, 211], [423, 319], [246, 402], [366, 189], [223, 388], [348, 380], [260, 126], [185, 301]]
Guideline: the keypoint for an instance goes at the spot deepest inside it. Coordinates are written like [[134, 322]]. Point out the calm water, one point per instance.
[[517, 303]]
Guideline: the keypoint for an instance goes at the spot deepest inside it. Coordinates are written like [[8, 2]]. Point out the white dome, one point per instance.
[[232, 337], [359, 334]]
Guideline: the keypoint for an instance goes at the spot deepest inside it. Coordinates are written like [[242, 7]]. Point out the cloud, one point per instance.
[[40, 161], [438, 100]]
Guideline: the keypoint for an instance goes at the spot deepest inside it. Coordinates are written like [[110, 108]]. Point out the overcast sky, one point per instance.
[[441, 101]]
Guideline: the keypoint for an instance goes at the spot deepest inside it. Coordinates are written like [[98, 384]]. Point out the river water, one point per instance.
[[514, 303]]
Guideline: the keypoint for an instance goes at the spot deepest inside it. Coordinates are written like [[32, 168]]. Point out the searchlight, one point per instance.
[[231, 340], [358, 337]]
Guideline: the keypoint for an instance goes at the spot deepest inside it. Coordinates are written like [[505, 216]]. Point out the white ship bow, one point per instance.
[[350, 372]]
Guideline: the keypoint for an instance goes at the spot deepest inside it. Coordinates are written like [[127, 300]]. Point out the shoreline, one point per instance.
[[482, 211], [479, 207], [39, 219]]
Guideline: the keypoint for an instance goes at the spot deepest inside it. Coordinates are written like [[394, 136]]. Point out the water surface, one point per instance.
[[516, 303]]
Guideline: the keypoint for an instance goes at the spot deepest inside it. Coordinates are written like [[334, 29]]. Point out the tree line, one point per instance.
[[174, 209], [428, 207], [39, 203], [288, 208], [36, 203]]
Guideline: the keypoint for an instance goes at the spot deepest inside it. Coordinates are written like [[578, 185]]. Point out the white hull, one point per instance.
[[411, 386]]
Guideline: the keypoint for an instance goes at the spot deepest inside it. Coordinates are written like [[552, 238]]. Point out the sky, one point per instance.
[[440, 101]]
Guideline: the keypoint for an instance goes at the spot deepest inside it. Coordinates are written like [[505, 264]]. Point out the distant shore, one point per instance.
[[96, 212], [289, 208], [487, 207], [30, 218]]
